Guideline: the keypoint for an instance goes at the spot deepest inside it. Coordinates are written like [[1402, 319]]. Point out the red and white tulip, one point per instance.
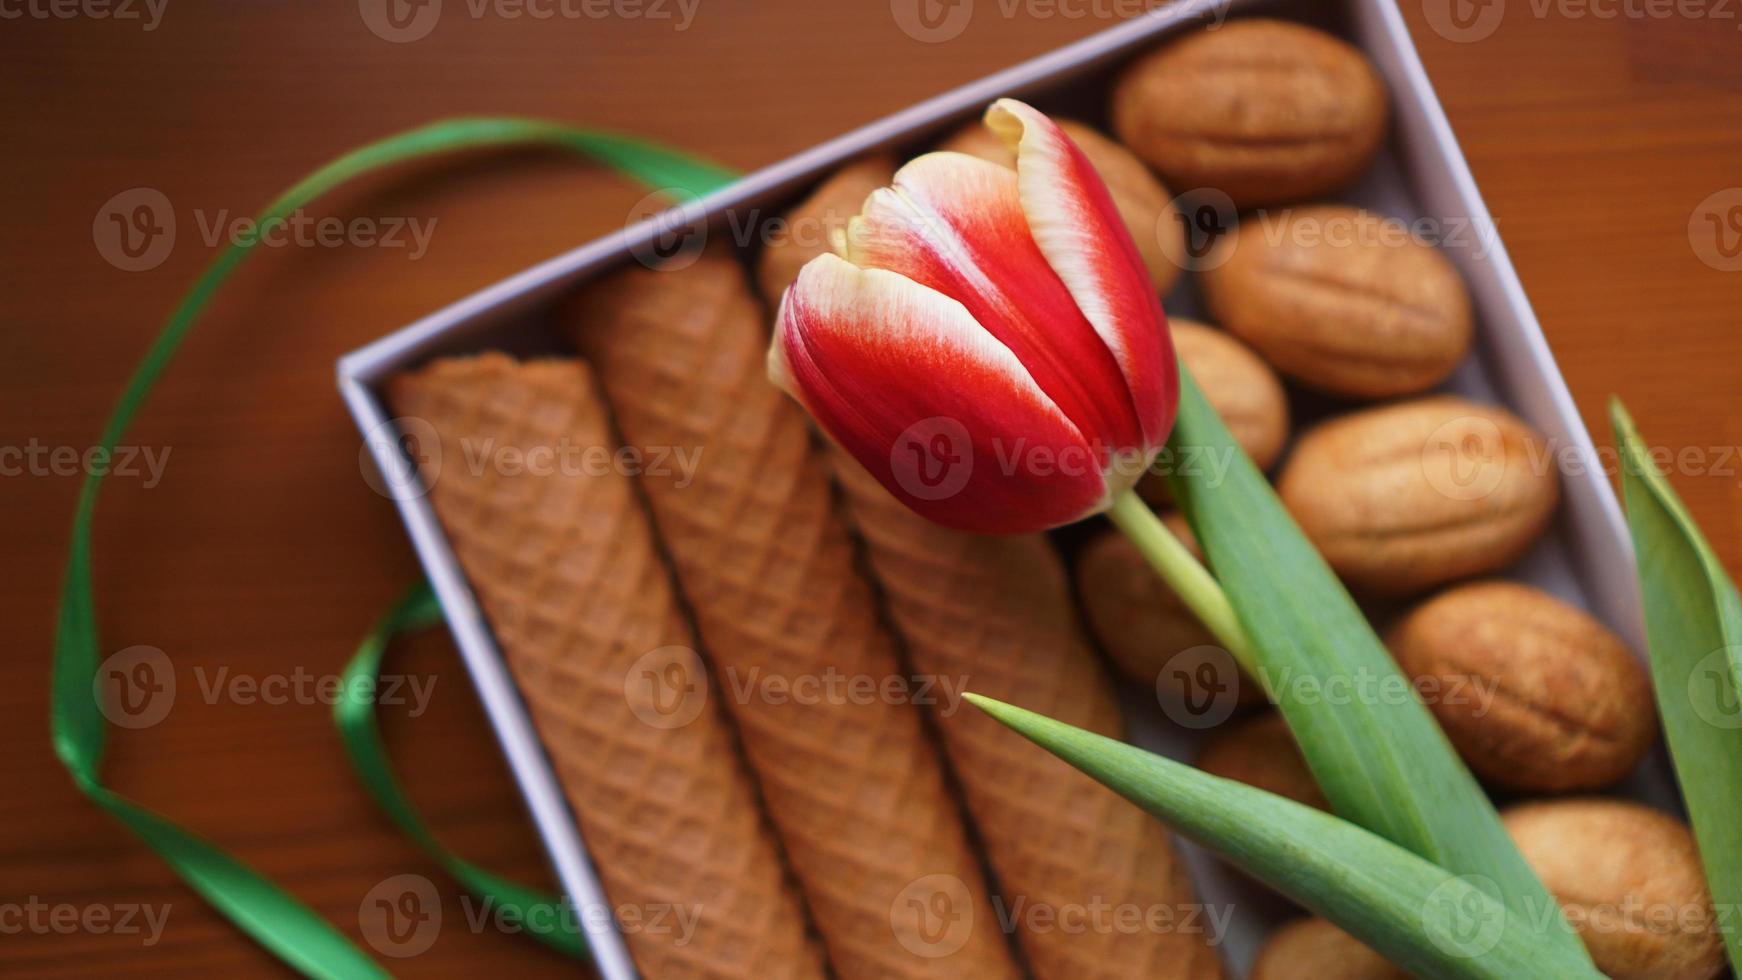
[[986, 342]]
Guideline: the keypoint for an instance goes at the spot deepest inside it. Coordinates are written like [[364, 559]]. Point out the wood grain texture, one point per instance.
[[263, 550]]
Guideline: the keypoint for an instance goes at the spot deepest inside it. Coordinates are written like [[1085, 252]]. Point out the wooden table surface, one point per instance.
[[1599, 142]]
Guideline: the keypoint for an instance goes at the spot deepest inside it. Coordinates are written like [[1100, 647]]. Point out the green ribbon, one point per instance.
[[355, 716], [267, 913]]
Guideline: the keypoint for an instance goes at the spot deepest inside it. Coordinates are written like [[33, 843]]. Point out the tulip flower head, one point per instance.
[[986, 341]]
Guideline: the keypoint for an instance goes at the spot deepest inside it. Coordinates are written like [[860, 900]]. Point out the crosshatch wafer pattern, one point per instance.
[[855, 785], [998, 610], [566, 568]]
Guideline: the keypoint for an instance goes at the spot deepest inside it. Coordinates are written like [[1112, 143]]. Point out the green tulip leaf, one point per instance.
[[1374, 749], [1693, 625], [1413, 912]]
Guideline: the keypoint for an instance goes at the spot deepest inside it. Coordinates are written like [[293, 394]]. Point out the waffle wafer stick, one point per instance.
[[853, 780], [998, 610], [564, 563]]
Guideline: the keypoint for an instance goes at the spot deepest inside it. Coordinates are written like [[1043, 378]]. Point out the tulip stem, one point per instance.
[[1183, 573]]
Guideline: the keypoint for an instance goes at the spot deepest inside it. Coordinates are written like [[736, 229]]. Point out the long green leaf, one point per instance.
[[1381, 759], [1415, 913], [1693, 622]]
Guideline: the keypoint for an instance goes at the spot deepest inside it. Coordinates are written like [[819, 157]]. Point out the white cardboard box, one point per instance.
[[1422, 173]]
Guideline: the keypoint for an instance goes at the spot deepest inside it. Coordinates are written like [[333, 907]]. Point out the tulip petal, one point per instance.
[[1077, 227], [955, 224], [936, 408]]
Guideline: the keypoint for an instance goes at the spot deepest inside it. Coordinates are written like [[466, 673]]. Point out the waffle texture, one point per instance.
[[564, 563], [853, 779], [997, 610]]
